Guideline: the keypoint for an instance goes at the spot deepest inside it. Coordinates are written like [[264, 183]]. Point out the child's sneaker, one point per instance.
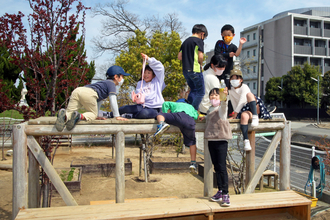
[[193, 168], [60, 121], [247, 146], [255, 121], [161, 128], [75, 117], [217, 197], [225, 200]]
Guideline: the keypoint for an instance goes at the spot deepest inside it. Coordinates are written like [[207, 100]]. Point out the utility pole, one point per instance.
[[259, 63]]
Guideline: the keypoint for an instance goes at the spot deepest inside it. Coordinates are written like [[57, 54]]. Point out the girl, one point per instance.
[[152, 86], [218, 132], [213, 69], [246, 105]]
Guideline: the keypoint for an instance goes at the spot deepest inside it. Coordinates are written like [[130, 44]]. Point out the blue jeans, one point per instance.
[[139, 112], [197, 89]]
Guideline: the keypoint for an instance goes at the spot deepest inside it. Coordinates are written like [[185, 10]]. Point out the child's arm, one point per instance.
[[223, 110], [156, 66], [241, 42], [200, 57], [114, 107], [180, 56]]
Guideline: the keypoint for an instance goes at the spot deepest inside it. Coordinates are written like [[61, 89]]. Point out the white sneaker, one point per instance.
[[247, 146], [255, 121]]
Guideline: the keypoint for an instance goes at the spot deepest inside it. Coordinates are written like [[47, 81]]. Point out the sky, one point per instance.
[[212, 13]]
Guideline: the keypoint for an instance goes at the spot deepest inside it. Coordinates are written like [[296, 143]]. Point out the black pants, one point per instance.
[[218, 152]]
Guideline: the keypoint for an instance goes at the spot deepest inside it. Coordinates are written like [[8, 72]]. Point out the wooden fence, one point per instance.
[[26, 169]]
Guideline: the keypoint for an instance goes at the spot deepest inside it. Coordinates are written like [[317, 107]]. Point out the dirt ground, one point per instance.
[[96, 187]]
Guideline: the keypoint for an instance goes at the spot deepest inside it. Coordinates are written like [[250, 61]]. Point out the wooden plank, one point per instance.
[[120, 167], [20, 164], [285, 156], [208, 171], [259, 202], [263, 163], [50, 171], [103, 202]]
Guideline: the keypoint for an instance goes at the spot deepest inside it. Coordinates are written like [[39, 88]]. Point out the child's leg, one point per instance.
[[160, 118], [193, 151], [162, 126], [245, 116], [253, 108], [146, 113]]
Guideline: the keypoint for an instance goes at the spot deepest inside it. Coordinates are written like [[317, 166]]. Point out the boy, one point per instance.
[[90, 97], [183, 116], [191, 54], [228, 50]]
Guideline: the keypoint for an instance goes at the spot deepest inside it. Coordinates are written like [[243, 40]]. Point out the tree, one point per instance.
[[325, 100], [299, 88], [48, 58], [273, 92], [9, 73], [121, 25], [164, 47]]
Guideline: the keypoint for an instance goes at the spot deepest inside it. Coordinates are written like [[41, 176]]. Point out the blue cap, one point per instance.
[[116, 70]]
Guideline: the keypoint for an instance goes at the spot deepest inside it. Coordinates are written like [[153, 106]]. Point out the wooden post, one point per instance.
[[34, 186], [120, 167], [285, 156], [208, 171], [50, 171], [20, 165], [250, 158]]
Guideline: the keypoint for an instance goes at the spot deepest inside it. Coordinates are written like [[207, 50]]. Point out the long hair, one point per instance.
[[217, 60]]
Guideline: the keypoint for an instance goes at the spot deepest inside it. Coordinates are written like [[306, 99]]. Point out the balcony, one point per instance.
[[300, 30], [320, 51], [298, 49], [326, 32], [326, 69], [316, 32]]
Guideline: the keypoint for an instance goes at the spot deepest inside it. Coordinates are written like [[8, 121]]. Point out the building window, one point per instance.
[[248, 54], [254, 85], [320, 43], [262, 70], [254, 36], [248, 84], [254, 52], [326, 25], [300, 23], [315, 24], [248, 70], [248, 38], [254, 69]]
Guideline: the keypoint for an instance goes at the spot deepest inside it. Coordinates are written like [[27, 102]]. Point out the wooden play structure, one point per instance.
[[26, 176]]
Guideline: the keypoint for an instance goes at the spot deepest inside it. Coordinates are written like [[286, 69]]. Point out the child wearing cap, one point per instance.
[[152, 87], [90, 97], [246, 105]]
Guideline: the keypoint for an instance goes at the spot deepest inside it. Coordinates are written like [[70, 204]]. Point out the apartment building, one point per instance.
[[288, 39]]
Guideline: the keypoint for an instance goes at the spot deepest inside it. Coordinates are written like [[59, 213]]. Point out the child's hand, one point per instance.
[[201, 118], [242, 40], [225, 91], [231, 54], [145, 56], [121, 119]]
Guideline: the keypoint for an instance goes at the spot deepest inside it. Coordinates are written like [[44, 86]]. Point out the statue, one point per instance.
[[23, 100]]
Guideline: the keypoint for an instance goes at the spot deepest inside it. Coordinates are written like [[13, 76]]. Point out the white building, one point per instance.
[[288, 39]]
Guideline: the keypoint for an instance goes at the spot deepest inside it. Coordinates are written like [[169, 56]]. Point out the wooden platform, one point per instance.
[[246, 206]]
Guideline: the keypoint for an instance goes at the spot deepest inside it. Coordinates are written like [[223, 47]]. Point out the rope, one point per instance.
[[321, 185]]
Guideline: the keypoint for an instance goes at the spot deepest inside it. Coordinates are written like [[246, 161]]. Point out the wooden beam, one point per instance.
[[120, 167], [50, 171], [263, 163], [34, 186], [37, 130], [20, 164], [285, 156], [208, 171]]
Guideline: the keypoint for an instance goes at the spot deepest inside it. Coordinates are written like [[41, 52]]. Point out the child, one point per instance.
[[152, 86], [218, 132], [227, 49], [212, 70], [246, 105], [183, 116], [90, 97], [191, 54]]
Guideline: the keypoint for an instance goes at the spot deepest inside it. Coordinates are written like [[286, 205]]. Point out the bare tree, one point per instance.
[[120, 25]]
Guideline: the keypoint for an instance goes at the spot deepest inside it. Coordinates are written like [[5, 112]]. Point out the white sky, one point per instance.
[[212, 13]]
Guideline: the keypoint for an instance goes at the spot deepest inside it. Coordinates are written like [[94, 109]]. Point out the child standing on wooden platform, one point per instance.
[[90, 97], [218, 132], [246, 105], [183, 116]]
